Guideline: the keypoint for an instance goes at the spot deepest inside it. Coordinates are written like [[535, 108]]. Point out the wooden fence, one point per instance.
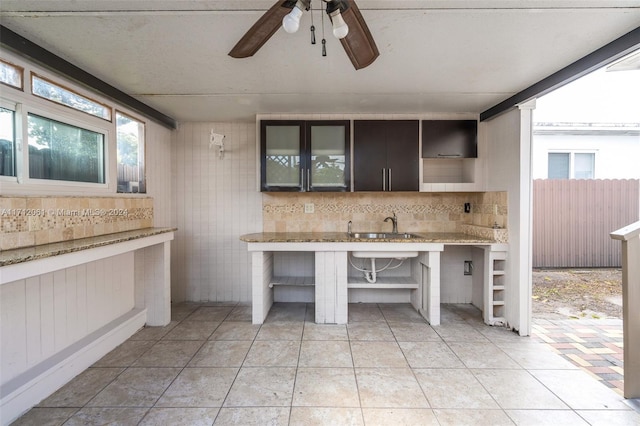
[[572, 220]]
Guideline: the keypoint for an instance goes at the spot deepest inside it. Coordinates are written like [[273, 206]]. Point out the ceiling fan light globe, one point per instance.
[[291, 22], [340, 27]]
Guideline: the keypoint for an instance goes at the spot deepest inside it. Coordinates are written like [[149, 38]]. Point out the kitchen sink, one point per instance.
[[382, 235]]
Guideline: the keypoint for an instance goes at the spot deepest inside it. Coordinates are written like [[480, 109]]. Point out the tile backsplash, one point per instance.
[[27, 221], [416, 212]]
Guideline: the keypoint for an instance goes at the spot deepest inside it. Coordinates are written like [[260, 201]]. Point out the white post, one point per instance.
[[430, 308], [630, 237], [153, 282]]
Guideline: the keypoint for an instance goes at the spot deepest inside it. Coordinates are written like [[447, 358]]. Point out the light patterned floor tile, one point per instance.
[[253, 416], [454, 388], [262, 387], [199, 387], [136, 387], [399, 416], [389, 388], [326, 387], [180, 417]]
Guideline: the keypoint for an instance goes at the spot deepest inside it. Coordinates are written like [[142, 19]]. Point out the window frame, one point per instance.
[[20, 69], [109, 108], [24, 177], [144, 149], [17, 138], [25, 102], [572, 153]]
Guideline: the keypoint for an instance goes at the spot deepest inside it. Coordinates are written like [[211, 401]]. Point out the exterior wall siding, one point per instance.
[[572, 219]]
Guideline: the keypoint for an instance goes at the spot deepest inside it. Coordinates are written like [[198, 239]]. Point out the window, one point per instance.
[[60, 151], [58, 94], [7, 142], [571, 165], [559, 165], [11, 75], [130, 141], [583, 165]]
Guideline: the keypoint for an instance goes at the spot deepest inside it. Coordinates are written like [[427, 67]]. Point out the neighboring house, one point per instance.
[[586, 150]]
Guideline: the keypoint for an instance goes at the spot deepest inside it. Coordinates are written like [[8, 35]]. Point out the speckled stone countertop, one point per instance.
[[25, 254], [343, 237]]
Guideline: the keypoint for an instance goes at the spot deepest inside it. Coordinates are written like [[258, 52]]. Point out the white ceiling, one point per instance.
[[435, 55]]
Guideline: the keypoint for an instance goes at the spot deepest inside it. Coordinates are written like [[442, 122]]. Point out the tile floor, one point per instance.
[[386, 367]]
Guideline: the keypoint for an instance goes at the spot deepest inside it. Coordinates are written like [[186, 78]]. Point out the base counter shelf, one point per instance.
[[293, 281]]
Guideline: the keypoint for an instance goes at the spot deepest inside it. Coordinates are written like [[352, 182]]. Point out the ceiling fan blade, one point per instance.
[[262, 30], [359, 43]]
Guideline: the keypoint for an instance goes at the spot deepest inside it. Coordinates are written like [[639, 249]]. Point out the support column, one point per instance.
[[261, 294], [153, 282], [630, 237], [430, 308], [331, 288]]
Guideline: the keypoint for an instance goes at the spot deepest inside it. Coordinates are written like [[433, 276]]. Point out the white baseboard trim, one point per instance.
[[25, 391]]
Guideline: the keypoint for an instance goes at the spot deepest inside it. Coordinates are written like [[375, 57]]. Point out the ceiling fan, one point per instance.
[[348, 25]]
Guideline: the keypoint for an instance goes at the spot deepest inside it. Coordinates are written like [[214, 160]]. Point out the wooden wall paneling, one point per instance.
[[33, 320], [13, 330]]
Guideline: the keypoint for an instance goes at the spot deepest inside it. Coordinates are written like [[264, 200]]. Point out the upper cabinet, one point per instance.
[[386, 155], [449, 139], [304, 156]]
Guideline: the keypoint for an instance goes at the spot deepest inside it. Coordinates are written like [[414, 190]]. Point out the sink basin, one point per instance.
[[384, 254], [382, 235], [387, 254]]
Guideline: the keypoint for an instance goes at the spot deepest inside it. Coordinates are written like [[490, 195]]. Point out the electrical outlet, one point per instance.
[[468, 267], [309, 208], [467, 207]]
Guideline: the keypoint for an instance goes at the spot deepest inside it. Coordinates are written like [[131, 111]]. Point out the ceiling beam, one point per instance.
[[44, 57], [593, 61]]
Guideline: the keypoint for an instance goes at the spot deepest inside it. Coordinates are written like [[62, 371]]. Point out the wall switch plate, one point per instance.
[[468, 267], [309, 208]]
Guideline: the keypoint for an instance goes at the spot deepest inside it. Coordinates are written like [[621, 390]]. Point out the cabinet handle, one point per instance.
[[302, 179], [390, 180], [308, 180], [384, 180], [450, 155]]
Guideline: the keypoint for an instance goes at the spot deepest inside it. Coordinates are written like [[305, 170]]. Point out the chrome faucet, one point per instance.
[[394, 220], [349, 228]]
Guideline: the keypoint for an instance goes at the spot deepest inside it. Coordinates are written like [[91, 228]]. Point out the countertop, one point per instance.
[[25, 254], [343, 237]]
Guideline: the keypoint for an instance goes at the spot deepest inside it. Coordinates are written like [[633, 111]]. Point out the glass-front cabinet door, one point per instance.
[[282, 168], [305, 156], [328, 143]]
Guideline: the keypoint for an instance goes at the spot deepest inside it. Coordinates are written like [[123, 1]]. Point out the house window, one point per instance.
[[7, 142], [571, 165], [583, 165], [53, 92], [11, 75], [130, 141], [60, 151]]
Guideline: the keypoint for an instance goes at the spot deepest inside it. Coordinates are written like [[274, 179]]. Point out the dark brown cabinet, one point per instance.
[[386, 155], [449, 139], [304, 156]]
